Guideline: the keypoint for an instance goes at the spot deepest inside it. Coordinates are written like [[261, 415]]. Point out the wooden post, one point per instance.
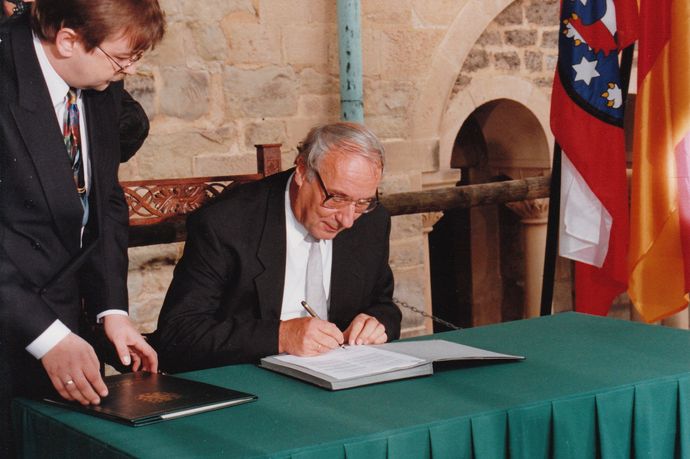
[[268, 161]]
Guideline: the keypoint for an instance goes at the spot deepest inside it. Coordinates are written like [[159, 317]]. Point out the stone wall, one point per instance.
[[233, 73]]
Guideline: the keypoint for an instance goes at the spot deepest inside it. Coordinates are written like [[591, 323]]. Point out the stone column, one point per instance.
[[534, 215]]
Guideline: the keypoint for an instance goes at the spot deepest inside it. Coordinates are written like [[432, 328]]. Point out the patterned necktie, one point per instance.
[[72, 135], [316, 294]]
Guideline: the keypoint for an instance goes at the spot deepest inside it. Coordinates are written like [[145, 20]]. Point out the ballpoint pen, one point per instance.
[[313, 314]]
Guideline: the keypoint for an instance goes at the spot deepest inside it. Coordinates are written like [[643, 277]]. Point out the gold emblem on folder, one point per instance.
[[158, 397]]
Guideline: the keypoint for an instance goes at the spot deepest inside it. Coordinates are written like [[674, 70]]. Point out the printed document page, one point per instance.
[[354, 361]]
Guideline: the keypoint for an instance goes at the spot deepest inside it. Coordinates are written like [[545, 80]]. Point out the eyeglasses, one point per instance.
[[121, 68], [336, 201]]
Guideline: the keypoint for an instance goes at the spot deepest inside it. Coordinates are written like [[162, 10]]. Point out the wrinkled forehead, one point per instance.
[[350, 175]]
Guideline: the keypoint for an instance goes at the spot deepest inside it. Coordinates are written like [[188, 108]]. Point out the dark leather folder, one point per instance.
[[143, 398]]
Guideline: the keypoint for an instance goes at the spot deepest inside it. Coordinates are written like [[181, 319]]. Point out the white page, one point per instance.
[[354, 361]]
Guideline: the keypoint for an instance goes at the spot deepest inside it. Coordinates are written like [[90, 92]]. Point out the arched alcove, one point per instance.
[[477, 255]]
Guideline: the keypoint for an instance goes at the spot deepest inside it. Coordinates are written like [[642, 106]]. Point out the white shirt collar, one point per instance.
[[57, 87]]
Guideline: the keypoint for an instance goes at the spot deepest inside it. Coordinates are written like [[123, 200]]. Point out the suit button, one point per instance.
[[43, 291], [29, 204], [35, 245]]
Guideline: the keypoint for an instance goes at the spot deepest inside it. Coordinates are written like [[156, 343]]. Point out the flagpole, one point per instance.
[[552, 233]]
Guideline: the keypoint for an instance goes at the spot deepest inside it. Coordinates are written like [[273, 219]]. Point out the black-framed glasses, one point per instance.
[[121, 68], [336, 201]]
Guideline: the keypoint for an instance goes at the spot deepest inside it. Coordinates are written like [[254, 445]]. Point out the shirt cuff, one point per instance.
[[109, 312], [48, 339]]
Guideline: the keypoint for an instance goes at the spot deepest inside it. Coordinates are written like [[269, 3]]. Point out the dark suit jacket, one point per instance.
[[44, 273], [224, 303]]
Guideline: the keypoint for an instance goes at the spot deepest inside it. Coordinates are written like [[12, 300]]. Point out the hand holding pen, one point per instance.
[[313, 314]]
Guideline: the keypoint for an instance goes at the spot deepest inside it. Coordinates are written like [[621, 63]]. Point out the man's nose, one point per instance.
[[346, 215]]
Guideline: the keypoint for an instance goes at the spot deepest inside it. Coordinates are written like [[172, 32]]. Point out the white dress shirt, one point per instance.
[[297, 255]]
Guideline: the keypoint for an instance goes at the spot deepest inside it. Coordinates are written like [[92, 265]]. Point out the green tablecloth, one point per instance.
[[589, 387]]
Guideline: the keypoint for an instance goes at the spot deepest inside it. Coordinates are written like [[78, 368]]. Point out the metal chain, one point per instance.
[[403, 304]]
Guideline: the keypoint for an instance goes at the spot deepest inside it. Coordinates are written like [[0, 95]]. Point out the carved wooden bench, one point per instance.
[[158, 208]]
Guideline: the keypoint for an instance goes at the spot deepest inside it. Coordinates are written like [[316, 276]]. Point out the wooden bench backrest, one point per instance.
[[158, 208]]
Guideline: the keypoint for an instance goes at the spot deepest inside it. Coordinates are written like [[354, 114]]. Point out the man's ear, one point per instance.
[[300, 173], [66, 42]]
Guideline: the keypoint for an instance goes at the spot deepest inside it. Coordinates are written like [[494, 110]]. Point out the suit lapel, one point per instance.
[[272, 252], [35, 119]]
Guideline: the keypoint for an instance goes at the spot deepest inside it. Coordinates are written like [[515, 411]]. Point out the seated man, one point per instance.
[[311, 233]]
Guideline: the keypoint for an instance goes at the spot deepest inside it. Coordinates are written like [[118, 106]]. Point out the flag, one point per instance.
[[587, 109], [660, 204]]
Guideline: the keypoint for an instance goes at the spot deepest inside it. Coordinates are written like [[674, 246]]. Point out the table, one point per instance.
[[589, 386]]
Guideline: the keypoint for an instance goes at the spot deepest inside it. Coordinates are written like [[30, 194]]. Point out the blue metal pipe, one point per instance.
[[350, 56]]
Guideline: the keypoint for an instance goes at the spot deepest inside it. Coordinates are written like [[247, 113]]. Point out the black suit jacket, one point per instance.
[[44, 273], [224, 303]]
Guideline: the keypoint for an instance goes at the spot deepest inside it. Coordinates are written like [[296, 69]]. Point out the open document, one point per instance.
[[354, 366]]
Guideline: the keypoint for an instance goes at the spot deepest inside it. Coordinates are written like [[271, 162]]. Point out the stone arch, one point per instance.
[[437, 115], [472, 18], [509, 98]]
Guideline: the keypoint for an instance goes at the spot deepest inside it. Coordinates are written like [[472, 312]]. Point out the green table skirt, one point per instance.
[[590, 387]]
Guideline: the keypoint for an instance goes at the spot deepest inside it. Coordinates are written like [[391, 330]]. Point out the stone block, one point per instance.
[[277, 13], [184, 93], [406, 226], [175, 48], [435, 13], [249, 43], [263, 92], [406, 156], [543, 13], [389, 126], [325, 106], [410, 284], [150, 274], [169, 155], [210, 41], [210, 11], [372, 61], [509, 60], [400, 182], [407, 252], [521, 38], [533, 61], [312, 81], [308, 45], [388, 97], [264, 131], [476, 59], [550, 60], [549, 39], [490, 37], [224, 164], [386, 12], [142, 88], [405, 54], [512, 15]]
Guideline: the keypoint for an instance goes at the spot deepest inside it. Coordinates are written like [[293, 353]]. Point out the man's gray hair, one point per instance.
[[348, 138]]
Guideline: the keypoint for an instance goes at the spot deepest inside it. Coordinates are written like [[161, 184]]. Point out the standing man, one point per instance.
[[63, 219], [312, 233]]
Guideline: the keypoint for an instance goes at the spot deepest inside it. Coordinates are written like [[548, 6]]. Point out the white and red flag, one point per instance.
[[587, 110]]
